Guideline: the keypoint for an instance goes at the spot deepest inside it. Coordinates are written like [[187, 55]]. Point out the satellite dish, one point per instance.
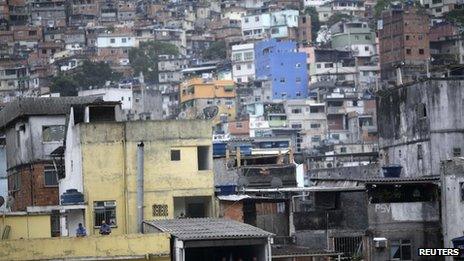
[[299, 159], [2, 201], [276, 182]]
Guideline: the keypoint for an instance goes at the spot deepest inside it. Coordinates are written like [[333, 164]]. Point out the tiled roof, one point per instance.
[[39, 106], [208, 228]]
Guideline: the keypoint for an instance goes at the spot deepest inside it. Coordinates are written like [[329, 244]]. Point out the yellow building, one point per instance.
[[101, 162], [208, 99], [23, 225], [122, 247]]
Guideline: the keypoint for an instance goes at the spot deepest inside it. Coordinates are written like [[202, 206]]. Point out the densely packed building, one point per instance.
[[231, 130]]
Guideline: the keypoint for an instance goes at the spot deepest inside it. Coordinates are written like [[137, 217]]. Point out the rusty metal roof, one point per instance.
[[207, 228]]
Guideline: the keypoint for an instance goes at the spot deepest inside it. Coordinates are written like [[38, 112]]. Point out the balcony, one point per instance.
[[336, 110], [278, 123]]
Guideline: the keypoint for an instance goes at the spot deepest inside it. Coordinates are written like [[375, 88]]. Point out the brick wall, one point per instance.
[[232, 210], [32, 190]]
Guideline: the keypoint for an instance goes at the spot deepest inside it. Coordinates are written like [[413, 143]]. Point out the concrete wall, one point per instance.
[[452, 211], [31, 146], [124, 247], [25, 226], [109, 152], [402, 129]]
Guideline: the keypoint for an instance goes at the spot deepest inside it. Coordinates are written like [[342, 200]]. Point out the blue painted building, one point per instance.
[[282, 64]]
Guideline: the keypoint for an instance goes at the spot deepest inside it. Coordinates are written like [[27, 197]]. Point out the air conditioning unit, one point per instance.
[[380, 242]]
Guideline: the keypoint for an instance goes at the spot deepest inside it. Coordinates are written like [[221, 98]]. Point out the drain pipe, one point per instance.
[[140, 165], [291, 223]]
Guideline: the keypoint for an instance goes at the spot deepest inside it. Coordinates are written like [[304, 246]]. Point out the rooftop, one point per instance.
[[207, 228], [39, 106]]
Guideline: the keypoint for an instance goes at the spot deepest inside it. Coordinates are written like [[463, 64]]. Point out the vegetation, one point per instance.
[[89, 75], [145, 58], [217, 51], [315, 23], [456, 16], [337, 17]]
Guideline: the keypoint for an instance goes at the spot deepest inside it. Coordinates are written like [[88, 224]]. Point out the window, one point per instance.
[[282, 80], [104, 210], [298, 94], [298, 80], [298, 65], [246, 20], [53, 133], [420, 37], [421, 51], [238, 125], [355, 103], [328, 65], [408, 51], [112, 40], [419, 152], [343, 150], [421, 110], [256, 18], [400, 250], [456, 152], [203, 158], [175, 155], [336, 136], [50, 176], [160, 210], [237, 56], [238, 67], [315, 125], [407, 37], [296, 111], [296, 126], [249, 66], [366, 48], [123, 40], [367, 37], [316, 138], [248, 56], [318, 65]]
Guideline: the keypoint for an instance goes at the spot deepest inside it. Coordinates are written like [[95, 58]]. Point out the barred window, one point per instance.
[[104, 210]]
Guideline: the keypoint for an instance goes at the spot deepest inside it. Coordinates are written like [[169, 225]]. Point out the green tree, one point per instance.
[[456, 16], [88, 75], [145, 58], [64, 85], [216, 51], [315, 23], [337, 17]]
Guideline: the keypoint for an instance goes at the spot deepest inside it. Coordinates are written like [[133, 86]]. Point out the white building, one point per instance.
[[308, 3], [274, 24], [243, 66], [112, 94], [116, 41]]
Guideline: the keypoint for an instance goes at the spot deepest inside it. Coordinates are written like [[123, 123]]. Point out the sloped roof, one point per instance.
[[208, 228], [39, 106]]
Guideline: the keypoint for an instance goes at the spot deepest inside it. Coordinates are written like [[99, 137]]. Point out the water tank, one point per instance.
[[72, 197]]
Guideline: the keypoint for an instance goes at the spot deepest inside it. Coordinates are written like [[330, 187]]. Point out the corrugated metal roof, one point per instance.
[[39, 106], [423, 179], [207, 228]]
